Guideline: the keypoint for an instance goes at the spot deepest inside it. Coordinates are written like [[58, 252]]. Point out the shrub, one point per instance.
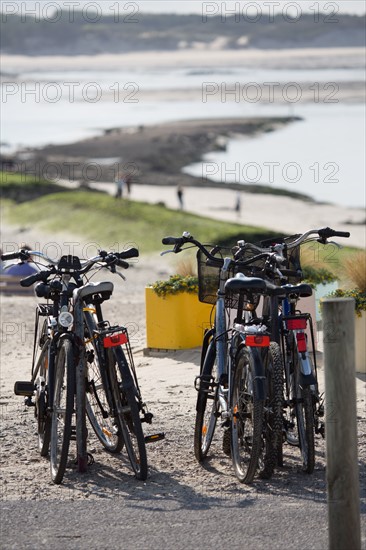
[[176, 284]]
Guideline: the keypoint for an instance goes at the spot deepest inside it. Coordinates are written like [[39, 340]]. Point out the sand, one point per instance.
[[166, 380]]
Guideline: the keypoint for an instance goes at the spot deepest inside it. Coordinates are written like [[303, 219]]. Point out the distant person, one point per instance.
[[180, 196], [120, 184], [128, 180], [238, 204]]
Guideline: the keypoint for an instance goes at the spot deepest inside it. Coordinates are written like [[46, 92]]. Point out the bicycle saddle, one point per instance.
[[240, 282], [104, 288], [303, 290]]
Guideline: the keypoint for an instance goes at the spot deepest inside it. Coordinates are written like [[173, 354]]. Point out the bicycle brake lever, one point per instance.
[[120, 274], [336, 244], [166, 252]]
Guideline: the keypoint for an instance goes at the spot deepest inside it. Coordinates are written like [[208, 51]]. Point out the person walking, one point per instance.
[[180, 196], [120, 183], [238, 203]]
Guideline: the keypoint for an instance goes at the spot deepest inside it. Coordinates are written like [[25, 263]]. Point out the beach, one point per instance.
[[166, 380], [157, 154]]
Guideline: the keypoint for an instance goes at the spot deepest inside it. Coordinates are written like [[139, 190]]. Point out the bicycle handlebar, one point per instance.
[[110, 259], [323, 233]]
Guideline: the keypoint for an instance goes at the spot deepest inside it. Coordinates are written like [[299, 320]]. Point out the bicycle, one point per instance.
[[63, 387], [303, 405], [243, 384]]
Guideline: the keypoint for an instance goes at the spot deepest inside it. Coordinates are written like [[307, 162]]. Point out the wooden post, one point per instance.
[[341, 424]]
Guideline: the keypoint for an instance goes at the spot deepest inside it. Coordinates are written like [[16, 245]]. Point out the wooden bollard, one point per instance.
[[341, 424]]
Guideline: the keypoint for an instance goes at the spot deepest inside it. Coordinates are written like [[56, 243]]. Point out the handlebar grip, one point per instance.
[[29, 281], [170, 240], [122, 263], [14, 256], [327, 232], [129, 253]]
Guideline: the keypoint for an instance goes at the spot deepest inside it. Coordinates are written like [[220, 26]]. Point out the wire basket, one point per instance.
[[292, 256], [209, 281]]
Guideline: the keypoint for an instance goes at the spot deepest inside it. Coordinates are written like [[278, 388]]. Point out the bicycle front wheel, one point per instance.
[[99, 409], [207, 405], [127, 403], [247, 418], [63, 408], [43, 416]]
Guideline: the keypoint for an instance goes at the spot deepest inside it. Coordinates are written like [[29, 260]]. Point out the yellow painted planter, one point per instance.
[[177, 321]]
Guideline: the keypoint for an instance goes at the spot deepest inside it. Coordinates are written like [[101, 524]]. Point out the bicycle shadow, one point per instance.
[[162, 491]]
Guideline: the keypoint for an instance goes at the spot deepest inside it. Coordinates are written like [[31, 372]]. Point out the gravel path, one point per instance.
[[175, 479]]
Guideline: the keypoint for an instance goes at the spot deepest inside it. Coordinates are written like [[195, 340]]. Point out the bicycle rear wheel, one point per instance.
[[127, 403], [247, 418], [100, 411], [273, 423], [63, 408], [207, 405], [304, 418]]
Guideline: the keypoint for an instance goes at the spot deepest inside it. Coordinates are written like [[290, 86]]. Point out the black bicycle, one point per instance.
[[240, 383], [85, 366]]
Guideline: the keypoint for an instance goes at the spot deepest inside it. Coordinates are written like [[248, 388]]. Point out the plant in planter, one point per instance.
[[175, 319], [355, 287], [175, 284], [317, 276]]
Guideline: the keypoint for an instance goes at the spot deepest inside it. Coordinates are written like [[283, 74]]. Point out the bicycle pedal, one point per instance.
[[154, 437], [321, 430], [24, 388], [147, 418], [28, 402]]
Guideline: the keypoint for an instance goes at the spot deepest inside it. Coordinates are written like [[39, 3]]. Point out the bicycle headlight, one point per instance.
[[66, 319]]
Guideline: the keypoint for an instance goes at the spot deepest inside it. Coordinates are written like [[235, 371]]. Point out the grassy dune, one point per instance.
[[104, 220]]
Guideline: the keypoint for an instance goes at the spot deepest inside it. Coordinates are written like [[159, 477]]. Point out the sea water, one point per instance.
[[321, 156]]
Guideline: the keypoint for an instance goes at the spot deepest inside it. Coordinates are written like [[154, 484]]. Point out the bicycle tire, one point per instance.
[[63, 408], [127, 405], [44, 419], [247, 418], [305, 419], [273, 422], [206, 417], [101, 413]]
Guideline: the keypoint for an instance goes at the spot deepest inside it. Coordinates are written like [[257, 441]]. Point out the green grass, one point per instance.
[[12, 179], [24, 187], [102, 219]]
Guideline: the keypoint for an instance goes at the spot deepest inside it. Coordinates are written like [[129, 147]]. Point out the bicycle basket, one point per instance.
[[209, 280], [208, 277]]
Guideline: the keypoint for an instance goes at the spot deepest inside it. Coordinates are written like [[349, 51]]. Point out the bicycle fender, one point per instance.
[[206, 340], [308, 379], [259, 380], [259, 373]]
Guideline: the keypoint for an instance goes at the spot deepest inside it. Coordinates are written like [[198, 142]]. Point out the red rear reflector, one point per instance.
[[115, 340], [296, 324], [257, 341], [301, 341]]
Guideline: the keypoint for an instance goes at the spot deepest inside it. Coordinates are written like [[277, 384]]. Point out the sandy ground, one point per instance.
[[286, 58], [167, 386]]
